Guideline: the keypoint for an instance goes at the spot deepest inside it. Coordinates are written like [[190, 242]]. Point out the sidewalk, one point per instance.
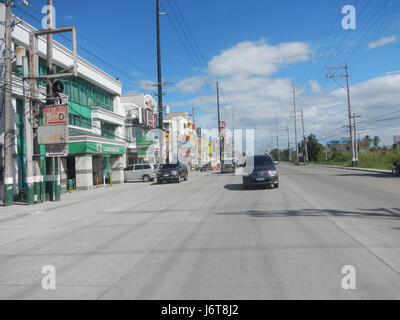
[[21, 209]]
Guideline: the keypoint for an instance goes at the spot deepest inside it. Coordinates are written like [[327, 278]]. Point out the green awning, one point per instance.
[[97, 148], [79, 110]]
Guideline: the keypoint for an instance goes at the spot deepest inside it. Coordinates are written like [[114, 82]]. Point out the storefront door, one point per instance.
[[106, 164]]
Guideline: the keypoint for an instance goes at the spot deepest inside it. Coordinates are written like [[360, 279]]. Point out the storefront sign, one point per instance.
[[55, 115], [144, 142], [57, 134], [57, 150]]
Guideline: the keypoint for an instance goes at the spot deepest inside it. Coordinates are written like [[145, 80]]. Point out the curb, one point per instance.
[[350, 168]]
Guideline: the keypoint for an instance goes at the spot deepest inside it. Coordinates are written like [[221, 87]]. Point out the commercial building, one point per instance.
[[141, 121], [344, 145], [96, 123], [181, 141]]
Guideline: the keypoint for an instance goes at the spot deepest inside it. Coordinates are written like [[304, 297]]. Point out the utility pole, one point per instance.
[[288, 142], [50, 95], [355, 135], [159, 84], [9, 132], [346, 75], [304, 138], [277, 138], [28, 121], [295, 122], [219, 128], [233, 134]]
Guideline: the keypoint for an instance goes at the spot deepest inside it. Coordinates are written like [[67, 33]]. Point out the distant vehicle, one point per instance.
[[260, 170], [172, 172], [396, 169], [228, 168], [140, 172]]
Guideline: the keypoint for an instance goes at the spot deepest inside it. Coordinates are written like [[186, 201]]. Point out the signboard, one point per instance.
[[57, 150], [55, 115], [112, 149], [143, 142], [150, 119], [222, 124], [57, 134]]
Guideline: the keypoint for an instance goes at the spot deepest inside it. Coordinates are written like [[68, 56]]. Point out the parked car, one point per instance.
[[228, 168], [140, 172], [172, 172], [260, 170]]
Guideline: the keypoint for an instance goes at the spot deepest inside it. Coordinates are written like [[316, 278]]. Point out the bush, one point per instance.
[[340, 157]]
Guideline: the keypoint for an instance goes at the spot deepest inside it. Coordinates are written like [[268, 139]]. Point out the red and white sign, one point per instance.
[[222, 124], [151, 119], [55, 115]]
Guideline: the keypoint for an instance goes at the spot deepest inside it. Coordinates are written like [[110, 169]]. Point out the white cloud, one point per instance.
[[258, 58], [190, 85], [315, 87], [69, 17], [382, 42], [246, 84]]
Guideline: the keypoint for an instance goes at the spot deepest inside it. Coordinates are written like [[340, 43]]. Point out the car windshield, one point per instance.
[[262, 161], [169, 165]]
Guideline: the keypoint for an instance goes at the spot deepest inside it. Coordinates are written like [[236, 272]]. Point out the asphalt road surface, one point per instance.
[[210, 239]]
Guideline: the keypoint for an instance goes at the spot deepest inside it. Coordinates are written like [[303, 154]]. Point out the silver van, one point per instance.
[[140, 172]]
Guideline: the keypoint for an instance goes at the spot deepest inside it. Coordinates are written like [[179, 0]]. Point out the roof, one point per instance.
[[171, 115]]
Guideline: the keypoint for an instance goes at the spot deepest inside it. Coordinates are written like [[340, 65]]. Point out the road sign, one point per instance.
[[57, 150], [53, 134], [55, 115], [222, 124]]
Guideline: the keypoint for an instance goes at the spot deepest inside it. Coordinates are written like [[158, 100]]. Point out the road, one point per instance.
[[210, 239]]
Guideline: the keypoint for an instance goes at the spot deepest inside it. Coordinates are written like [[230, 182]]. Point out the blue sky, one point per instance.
[[255, 48]]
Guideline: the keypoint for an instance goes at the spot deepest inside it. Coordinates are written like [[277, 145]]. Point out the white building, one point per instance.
[[96, 121], [141, 121]]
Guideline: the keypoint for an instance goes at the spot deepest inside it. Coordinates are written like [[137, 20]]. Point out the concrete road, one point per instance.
[[210, 239]]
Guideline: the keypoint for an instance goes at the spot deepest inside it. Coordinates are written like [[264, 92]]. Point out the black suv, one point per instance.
[[260, 170], [172, 172]]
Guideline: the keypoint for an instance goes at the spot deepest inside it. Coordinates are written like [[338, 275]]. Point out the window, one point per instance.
[[139, 167], [146, 166], [80, 121], [108, 130]]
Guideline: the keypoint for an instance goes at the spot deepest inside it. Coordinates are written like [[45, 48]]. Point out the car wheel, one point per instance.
[[276, 185], [186, 177], [146, 178], [159, 181], [178, 180]]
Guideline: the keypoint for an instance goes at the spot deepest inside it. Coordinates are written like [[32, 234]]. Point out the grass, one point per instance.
[[374, 159]]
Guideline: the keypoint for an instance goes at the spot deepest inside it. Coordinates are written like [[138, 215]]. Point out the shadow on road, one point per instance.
[[369, 174], [388, 213], [239, 187]]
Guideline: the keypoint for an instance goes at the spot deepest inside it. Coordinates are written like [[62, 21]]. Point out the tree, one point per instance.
[[369, 140], [375, 141], [315, 149]]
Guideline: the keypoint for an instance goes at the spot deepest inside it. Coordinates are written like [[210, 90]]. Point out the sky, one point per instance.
[[255, 49]]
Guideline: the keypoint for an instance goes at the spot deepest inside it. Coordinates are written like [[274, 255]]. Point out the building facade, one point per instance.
[[140, 123], [96, 123]]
